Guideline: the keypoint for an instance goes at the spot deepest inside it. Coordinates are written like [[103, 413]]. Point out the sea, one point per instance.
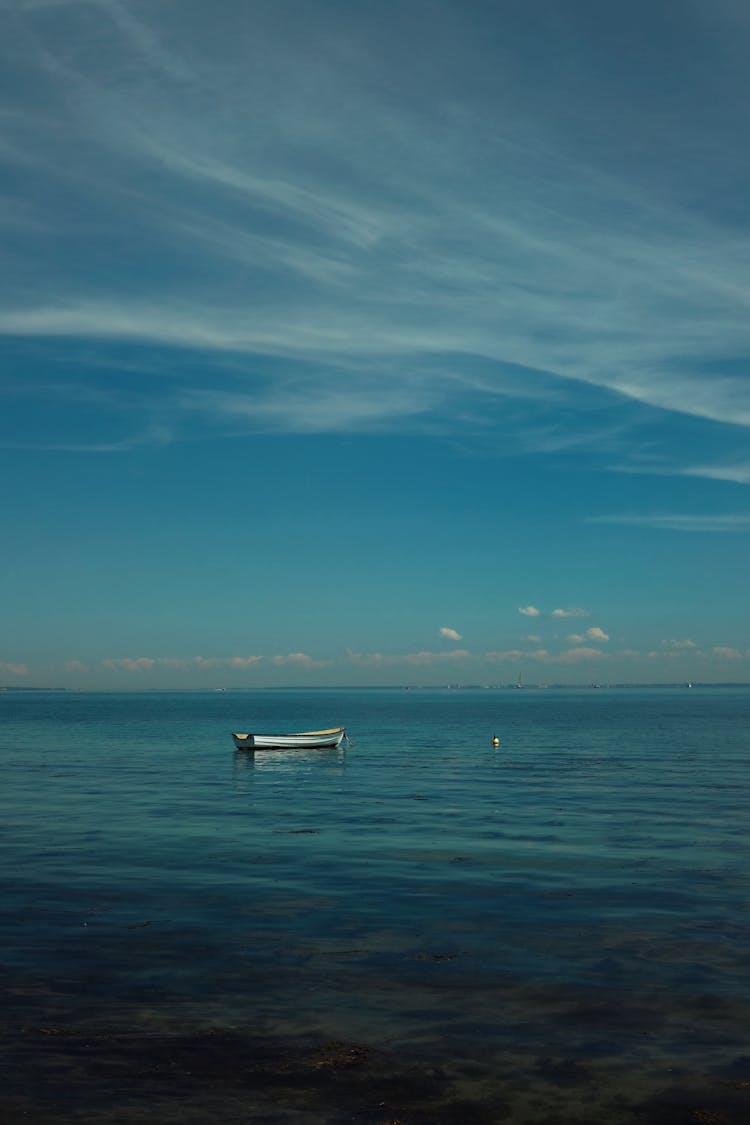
[[420, 927]]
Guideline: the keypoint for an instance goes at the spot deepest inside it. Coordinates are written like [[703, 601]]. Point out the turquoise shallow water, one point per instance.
[[417, 928]]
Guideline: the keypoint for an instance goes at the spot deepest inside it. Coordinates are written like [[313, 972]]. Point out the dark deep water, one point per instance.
[[418, 929]]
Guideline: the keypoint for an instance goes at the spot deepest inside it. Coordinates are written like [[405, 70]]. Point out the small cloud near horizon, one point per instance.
[[300, 659], [592, 634], [450, 634], [574, 655], [130, 663], [574, 612], [381, 659], [529, 611], [14, 669], [146, 663], [597, 634], [544, 656], [726, 652], [518, 654]]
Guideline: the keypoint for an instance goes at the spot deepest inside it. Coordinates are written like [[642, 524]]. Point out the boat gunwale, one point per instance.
[[292, 734]]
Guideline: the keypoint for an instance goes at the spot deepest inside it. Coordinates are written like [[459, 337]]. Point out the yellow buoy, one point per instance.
[[495, 741]]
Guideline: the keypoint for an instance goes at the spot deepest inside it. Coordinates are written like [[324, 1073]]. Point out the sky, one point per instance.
[[359, 344]]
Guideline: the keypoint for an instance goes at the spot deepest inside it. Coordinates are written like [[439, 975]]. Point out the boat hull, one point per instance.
[[305, 740]]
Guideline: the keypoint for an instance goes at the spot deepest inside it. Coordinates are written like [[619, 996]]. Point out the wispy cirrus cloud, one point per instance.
[[737, 471], [574, 612], [342, 235], [664, 521], [314, 407], [148, 437]]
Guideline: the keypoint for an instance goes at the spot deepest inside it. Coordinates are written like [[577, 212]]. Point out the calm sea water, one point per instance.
[[419, 928]]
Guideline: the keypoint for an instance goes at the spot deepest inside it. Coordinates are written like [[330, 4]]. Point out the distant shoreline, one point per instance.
[[676, 686]]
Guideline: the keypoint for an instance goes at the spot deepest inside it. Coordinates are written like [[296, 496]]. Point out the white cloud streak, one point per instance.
[[328, 206], [201, 663], [421, 659], [576, 655], [664, 521], [579, 653], [738, 473]]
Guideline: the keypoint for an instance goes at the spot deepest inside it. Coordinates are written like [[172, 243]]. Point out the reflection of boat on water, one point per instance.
[[328, 739], [296, 764]]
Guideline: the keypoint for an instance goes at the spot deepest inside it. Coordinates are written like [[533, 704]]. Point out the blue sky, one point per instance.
[[354, 344]]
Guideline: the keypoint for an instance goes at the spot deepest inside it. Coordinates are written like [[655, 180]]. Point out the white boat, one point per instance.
[[304, 740]]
